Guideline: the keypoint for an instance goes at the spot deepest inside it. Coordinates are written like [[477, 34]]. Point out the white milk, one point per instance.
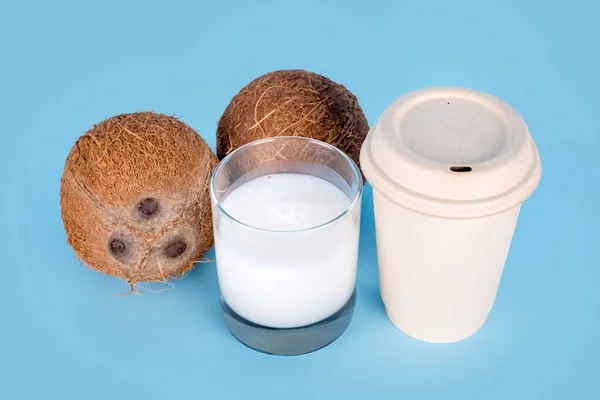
[[278, 275]]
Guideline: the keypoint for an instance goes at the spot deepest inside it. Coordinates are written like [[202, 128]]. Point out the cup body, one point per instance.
[[439, 276]]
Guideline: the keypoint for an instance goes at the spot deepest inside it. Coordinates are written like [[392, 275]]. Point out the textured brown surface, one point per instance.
[[293, 103], [135, 197]]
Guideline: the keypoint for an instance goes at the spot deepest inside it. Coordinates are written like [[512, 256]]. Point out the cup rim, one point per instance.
[[354, 201]]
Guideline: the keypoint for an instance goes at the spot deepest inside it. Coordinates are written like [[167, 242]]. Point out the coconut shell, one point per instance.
[[293, 103], [135, 198]]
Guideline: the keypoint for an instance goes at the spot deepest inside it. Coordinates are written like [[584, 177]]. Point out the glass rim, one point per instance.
[[354, 200]]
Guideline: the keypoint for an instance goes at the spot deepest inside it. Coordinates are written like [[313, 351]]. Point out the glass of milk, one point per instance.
[[286, 214]]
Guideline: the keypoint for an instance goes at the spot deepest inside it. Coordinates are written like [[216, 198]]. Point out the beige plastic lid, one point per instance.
[[451, 152]]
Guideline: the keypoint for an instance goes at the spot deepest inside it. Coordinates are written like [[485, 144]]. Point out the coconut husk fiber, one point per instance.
[[135, 198], [293, 103]]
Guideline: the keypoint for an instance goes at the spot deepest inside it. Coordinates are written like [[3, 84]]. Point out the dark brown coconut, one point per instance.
[[135, 197], [293, 103]]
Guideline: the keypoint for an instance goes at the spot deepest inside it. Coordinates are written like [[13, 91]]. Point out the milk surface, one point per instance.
[[279, 275]]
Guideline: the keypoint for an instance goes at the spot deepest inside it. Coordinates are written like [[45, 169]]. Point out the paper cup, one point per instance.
[[450, 168]]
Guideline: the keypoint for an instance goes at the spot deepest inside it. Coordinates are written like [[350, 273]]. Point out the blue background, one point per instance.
[[67, 65]]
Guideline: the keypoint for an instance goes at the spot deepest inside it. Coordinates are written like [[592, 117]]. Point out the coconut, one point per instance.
[[293, 103], [135, 198]]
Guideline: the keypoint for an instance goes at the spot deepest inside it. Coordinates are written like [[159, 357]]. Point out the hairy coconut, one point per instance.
[[135, 197], [293, 103]]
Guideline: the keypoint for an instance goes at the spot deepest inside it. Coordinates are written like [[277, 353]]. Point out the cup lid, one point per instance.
[[451, 152]]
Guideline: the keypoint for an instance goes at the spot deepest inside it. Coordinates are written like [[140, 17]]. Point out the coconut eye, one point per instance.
[[148, 207], [175, 249], [117, 247]]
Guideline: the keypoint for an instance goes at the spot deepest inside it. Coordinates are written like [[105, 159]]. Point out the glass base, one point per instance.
[[289, 341]]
